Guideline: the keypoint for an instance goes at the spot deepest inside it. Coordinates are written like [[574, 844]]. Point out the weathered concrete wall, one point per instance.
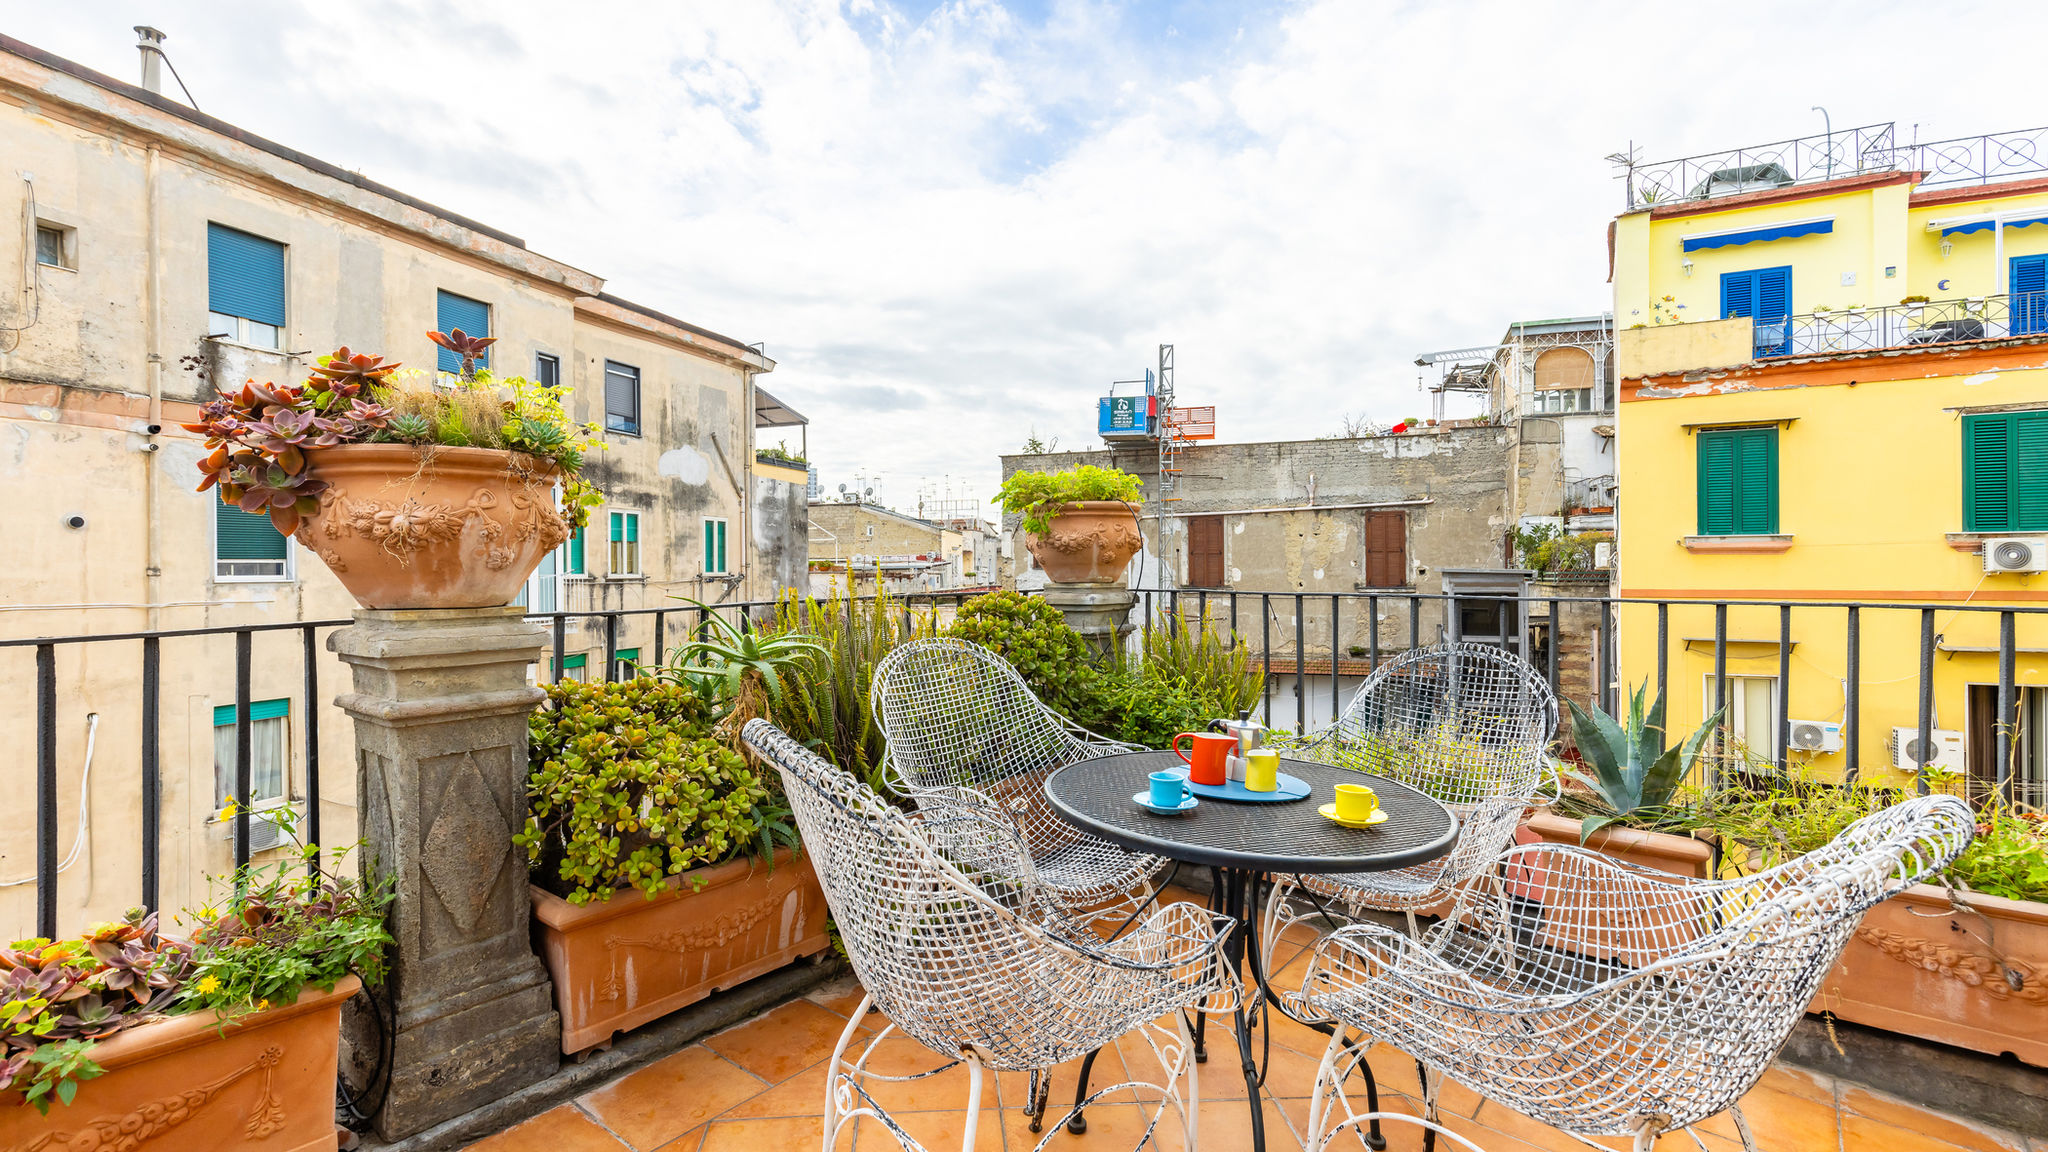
[[781, 526], [118, 343]]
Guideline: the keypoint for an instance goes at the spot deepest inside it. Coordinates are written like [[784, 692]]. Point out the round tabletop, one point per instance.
[[1285, 836]]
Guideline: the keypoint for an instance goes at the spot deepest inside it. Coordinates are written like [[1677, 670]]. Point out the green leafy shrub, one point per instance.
[[1032, 635], [825, 704], [276, 931], [1218, 670], [1147, 710], [626, 787], [1039, 496]]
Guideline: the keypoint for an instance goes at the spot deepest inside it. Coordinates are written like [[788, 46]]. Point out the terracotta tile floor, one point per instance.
[[758, 1087]]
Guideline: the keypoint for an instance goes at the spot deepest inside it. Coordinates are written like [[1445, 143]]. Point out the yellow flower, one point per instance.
[[208, 985], [228, 810], [262, 1004]]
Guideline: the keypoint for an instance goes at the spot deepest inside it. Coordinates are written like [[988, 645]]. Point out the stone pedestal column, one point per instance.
[[440, 707], [1099, 612]]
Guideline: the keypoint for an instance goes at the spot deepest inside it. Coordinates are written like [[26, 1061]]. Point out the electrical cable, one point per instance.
[[92, 728], [31, 271]]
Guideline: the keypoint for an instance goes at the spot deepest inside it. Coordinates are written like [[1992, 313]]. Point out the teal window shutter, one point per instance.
[[632, 528], [2005, 472], [244, 275], [472, 316], [1738, 481], [240, 535], [224, 714], [721, 547], [574, 561], [618, 527]]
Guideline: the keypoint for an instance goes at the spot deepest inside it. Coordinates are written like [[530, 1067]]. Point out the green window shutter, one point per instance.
[[1988, 472], [632, 528], [244, 275], [2030, 471], [721, 547], [224, 714], [1738, 481], [618, 527], [240, 535], [575, 558]]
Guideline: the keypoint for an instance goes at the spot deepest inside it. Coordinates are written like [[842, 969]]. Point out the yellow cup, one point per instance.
[[1356, 802], [1262, 770]]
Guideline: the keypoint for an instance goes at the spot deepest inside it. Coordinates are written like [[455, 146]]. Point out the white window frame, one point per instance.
[[1738, 711], [615, 550], [284, 775], [291, 552], [725, 537], [67, 245], [1564, 400], [546, 357]]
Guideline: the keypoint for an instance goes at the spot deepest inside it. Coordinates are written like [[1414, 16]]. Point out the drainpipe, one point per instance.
[[154, 369], [746, 488], [1998, 275]]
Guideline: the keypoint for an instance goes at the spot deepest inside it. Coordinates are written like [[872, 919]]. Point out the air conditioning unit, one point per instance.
[[2015, 554], [1816, 736], [265, 832], [1946, 755]]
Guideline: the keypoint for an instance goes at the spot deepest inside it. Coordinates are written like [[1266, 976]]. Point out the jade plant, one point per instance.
[[627, 787], [1031, 634], [1040, 496], [1629, 776], [261, 435]]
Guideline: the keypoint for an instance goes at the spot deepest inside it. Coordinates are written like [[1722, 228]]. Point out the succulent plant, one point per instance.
[[469, 348], [411, 427], [537, 436]]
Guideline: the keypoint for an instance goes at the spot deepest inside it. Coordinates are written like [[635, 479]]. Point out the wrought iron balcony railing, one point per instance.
[[1903, 325], [1830, 156]]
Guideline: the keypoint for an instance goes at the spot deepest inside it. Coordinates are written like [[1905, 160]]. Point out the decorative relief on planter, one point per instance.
[[716, 933], [151, 1120], [2009, 981]]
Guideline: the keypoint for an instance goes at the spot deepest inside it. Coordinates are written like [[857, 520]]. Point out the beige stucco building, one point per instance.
[[864, 547], [153, 252]]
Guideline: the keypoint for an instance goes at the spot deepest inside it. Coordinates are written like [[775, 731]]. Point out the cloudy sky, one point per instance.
[[954, 223]]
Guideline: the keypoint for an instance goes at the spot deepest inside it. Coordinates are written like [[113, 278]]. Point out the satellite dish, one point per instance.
[[842, 489], [867, 492]]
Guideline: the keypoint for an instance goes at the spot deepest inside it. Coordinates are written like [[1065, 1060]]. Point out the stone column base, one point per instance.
[[1099, 612]]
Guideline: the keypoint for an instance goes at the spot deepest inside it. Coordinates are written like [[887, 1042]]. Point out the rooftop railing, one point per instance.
[[1824, 333], [1833, 155]]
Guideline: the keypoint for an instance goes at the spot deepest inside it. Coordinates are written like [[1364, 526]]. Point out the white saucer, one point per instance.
[[1329, 812]]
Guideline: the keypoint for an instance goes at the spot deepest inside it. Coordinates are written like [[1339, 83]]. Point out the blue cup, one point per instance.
[[1170, 789]]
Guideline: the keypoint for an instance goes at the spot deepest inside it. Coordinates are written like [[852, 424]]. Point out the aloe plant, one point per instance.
[[1629, 774]]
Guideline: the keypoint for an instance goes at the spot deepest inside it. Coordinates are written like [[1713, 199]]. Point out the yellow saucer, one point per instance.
[[1329, 812]]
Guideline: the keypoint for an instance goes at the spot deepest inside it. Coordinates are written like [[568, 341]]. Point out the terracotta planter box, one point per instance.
[[621, 962], [182, 1085], [1632, 939], [1089, 542], [1663, 851], [1917, 966], [406, 527]]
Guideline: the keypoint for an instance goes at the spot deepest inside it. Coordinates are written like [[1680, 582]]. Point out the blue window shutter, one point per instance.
[[240, 535], [244, 275], [2029, 294], [1738, 294], [472, 316], [1773, 293]]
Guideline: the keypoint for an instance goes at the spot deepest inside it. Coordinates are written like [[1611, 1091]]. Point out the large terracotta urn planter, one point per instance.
[[620, 962], [407, 527], [1976, 979], [186, 1084], [1089, 542]]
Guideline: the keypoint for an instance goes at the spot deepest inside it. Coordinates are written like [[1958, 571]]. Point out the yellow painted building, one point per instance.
[[1834, 391]]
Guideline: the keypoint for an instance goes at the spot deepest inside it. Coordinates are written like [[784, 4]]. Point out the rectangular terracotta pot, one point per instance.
[[1663, 851], [620, 962], [1634, 939], [264, 1082], [1918, 966]]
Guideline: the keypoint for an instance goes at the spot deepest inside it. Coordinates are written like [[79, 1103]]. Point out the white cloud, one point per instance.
[[953, 226]]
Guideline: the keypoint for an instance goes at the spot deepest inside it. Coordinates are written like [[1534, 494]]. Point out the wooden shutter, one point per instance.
[[1773, 293], [1738, 294], [472, 316], [2030, 471], [2029, 301], [1205, 552], [1738, 481], [1386, 548], [2005, 472], [244, 275]]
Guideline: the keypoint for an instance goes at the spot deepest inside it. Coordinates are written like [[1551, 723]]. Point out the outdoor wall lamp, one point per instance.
[[1685, 265], [1947, 246]]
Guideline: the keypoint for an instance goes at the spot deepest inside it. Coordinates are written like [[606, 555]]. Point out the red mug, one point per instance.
[[1211, 751]]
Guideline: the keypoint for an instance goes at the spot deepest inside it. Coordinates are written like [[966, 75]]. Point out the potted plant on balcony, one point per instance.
[[415, 494], [1628, 795], [1962, 962], [1079, 524], [629, 789], [229, 1040]]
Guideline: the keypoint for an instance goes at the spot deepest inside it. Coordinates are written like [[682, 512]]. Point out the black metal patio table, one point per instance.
[[1244, 842]]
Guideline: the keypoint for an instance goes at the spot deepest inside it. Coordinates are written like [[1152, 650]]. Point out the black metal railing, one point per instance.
[[1832, 155], [1822, 333], [1318, 633]]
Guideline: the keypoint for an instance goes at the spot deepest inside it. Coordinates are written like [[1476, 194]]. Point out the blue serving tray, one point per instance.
[[1291, 788]]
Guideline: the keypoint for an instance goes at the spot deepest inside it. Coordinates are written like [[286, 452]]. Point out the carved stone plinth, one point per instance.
[[1099, 612], [440, 707]]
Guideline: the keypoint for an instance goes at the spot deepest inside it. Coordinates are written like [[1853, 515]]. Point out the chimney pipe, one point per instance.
[[147, 41]]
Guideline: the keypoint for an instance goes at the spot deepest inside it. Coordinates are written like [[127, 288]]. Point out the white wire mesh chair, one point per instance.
[[1608, 1000], [949, 960], [961, 725]]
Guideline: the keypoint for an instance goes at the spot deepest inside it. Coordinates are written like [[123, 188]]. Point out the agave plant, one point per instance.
[[1629, 775]]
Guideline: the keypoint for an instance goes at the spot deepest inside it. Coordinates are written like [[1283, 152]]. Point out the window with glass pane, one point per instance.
[[247, 546], [50, 246], [625, 541], [547, 370], [269, 752], [714, 547], [1752, 712], [473, 317], [573, 668], [244, 287], [621, 397], [627, 664]]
